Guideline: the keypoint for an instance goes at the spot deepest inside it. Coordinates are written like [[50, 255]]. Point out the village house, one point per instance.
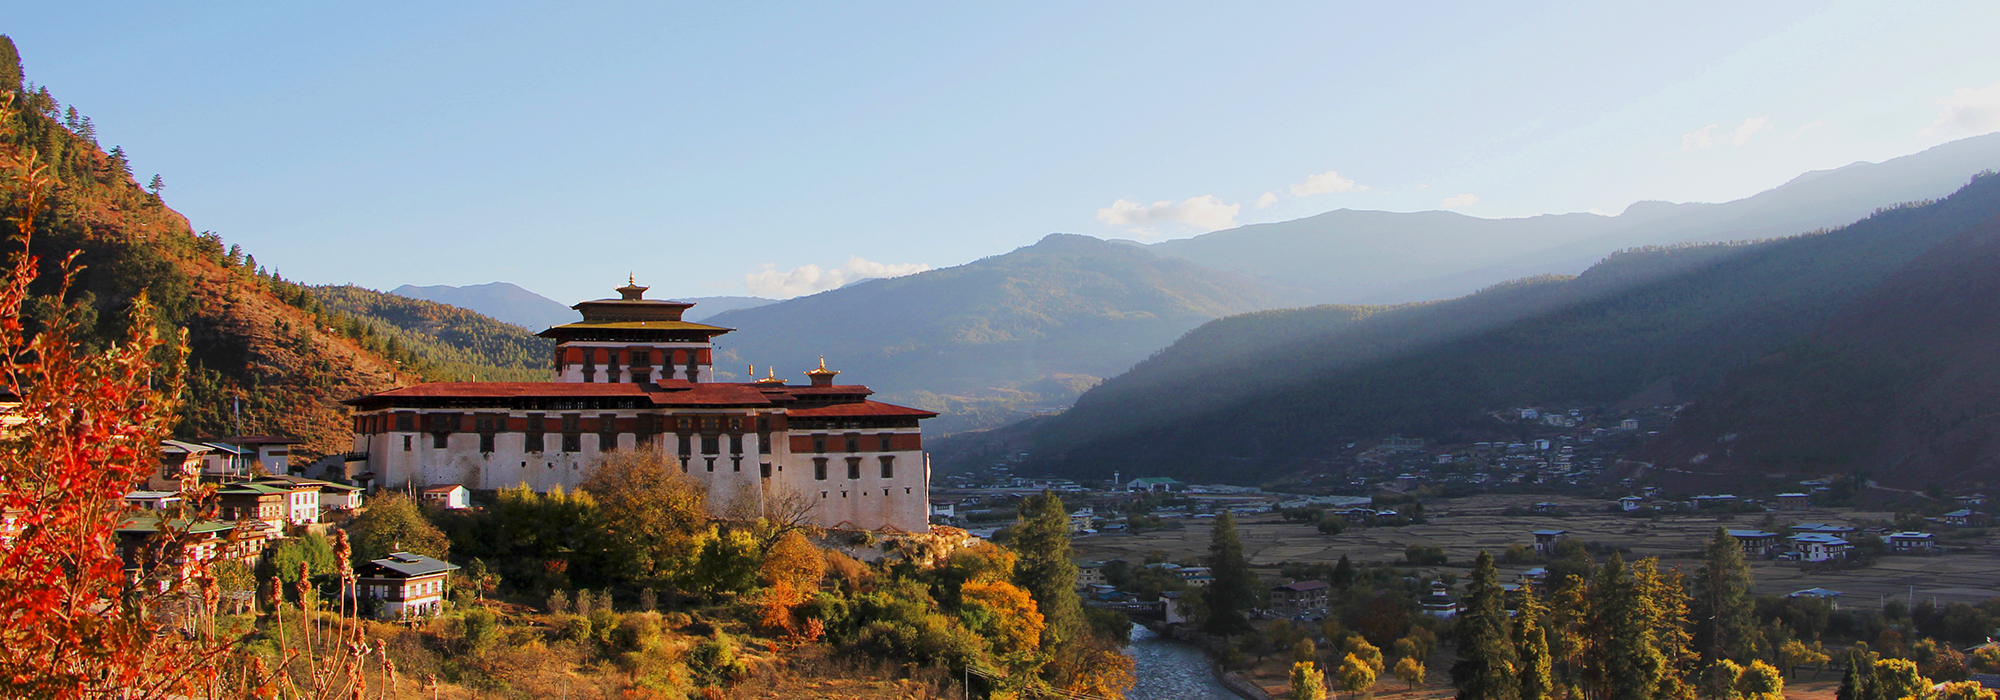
[[405, 584], [139, 542], [177, 460], [448, 497], [1911, 542], [1532, 577], [1964, 518], [1299, 598], [1831, 597], [1090, 573], [633, 374], [1631, 503], [1155, 483], [1756, 542], [254, 501], [1174, 607], [1546, 540], [1819, 547], [339, 497], [1794, 501], [154, 500], [302, 506]]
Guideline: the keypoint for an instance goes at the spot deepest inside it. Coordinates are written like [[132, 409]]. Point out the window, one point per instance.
[[853, 443], [572, 442], [736, 444], [765, 468], [439, 440], [641, 358], [888, 467], [735, 464], [710, 444], [854, 467], [406, 422], [686, 448], [763, 443], [888, 443], [819, 444], [589, 374], [485, 442], [406, 443], [819, 468], [641, 377], [572, 422]]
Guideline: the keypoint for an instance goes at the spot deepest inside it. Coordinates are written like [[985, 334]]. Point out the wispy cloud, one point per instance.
[[1803, 128], [1749, 128], [1968, 111], [1702, 138], [1326, 183], [808, 279], [1268, 199], [1459, 200], [1205, 212]]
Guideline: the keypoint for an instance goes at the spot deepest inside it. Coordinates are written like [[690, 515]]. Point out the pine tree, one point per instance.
[[1630, 665], [1044, 568], [10, 65], [1485, 668], [1568, 629], [1531, 649], [1669, 606], [1343, 573], [1722, 602], [1234, 587]]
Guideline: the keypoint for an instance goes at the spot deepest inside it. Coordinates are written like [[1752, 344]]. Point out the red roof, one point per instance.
[[713, 395], [859, 408], [836, 389], [513, 389]]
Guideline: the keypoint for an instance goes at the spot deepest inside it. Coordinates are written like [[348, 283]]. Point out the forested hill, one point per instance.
[[250, 333], [1035, 326], [1903, 385], [456, 344], [1245, 398]]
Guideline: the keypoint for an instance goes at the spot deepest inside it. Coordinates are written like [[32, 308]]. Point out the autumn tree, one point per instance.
[[1531, 649], [1724, 602], [1234, 587], [393, 523], [1411, 671], [1005, 616], [790, 572], [1355, 675], [1485, 668], [1043, 566], [1307, 682], [652, 515], [1761, 681], [1666, 600]]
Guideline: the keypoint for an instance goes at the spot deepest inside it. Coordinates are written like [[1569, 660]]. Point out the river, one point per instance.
[[1171, 670]]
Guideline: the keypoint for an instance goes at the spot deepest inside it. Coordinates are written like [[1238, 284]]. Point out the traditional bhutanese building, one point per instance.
[[633, 374]]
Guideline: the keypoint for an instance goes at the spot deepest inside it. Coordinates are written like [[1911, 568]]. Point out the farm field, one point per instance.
[[1463, 527]]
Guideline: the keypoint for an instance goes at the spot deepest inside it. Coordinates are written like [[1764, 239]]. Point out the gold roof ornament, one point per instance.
[[822, 371], [771, 376], [632, 291]]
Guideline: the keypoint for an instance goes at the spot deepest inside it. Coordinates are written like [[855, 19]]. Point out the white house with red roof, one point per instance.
[[632, 374]]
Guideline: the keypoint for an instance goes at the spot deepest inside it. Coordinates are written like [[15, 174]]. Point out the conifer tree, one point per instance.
[[1669, 605], [1234, 587], [1531, 649], [1485, 668], [1343, 573], [10, 65], [1044, 568], [1630, 665], [1567, 629], [1723, 603]]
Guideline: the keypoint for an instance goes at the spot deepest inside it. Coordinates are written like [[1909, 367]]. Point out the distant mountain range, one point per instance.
[[512, 304], [981, 341], [1373, 257], [1250, 397]]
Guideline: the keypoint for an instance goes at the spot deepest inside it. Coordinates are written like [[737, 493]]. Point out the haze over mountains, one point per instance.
[[1373, 257], [510, 303]]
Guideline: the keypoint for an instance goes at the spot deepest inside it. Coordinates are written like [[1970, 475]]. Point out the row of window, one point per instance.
[[854, 467], [884, 442]]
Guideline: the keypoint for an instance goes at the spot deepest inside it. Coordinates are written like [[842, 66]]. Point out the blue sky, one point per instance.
[[715, 149]]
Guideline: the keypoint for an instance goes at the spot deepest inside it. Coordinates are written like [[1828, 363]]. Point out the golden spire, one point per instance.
[[752, 372], [632, 278], [771, 376]]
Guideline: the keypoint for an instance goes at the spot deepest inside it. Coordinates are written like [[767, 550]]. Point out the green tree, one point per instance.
[[1720, 679], [1666, 597], [1631, 665], [1964, 690], [1234, 587], [1723, 602], [1307, 682], [650, 514], [725, 562], [1043, 566], [312, 550], [1761, 681], [1485, 668], [1531, 649], [393, 523], [1897, 679]]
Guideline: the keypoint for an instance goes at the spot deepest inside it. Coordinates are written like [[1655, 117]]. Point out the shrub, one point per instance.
[[713, 662]]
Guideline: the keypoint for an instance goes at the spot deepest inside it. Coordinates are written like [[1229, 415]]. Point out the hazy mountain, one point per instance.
[[501, 300], [1350, 256], [1273, 392], [1033, 327], [460, 344], [705, 307]]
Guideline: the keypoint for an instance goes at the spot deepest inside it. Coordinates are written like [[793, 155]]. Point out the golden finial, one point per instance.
[[771, 372], [822, 362], [752, 372], [632, 278]]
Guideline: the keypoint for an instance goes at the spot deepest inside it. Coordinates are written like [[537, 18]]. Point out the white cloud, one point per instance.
[[1803, 128], [1969, 110], [1701, 138], [1267, 200], [1205, 212], [1460, 200], [1325, 183], [808, 279], [1749, 128]]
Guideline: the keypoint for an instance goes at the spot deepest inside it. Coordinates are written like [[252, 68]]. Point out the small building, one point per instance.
[[1197, 575], [177, 460], [1547, 507], [1794, 501], [1546, 540], [1155, 483], [450, 497], [208, 540], [1174, 607], [404, 583], [153, 500], [1912, 542], [1090, 573], [1756, 542], [1819, 547], [1628, 424], [1440, 603], [339, 497], [1964, 518], [1081, 521], [1631, 503], [1532, 577], [1831, 597], [1823, 529], [1715, 501], [254, 501], [944, 509], [1971, 501], [1300, 598], [302, 505]]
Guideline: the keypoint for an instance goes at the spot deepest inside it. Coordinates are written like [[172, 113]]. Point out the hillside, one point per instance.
[[1900, 385], [1352, 256], [500, 300], [1033, 327], [1681, 317], [458, 344], [251, 334]]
